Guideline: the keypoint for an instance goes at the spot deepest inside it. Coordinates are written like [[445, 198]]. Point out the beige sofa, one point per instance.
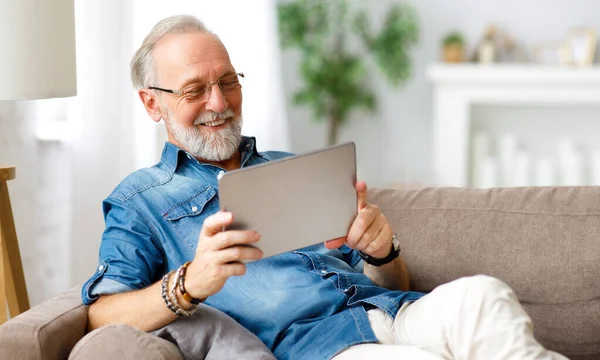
[[544, 242]]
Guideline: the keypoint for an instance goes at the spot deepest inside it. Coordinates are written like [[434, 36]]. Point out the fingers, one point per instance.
[[381, 245], [219, 274], [239, 253], [371, 236], [233, 269], [215, 223], [361, 223], [335, 243], [370, 232], [361, 191], [230, 238], [219, 255]]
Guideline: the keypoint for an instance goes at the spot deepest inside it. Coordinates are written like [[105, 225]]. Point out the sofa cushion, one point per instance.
[[123, 342], [47, 331], [543, 242]]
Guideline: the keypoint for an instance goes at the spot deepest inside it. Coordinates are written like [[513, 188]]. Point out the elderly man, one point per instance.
[[164, 252]]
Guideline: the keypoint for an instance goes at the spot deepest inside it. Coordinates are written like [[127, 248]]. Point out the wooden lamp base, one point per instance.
[[12, 279]]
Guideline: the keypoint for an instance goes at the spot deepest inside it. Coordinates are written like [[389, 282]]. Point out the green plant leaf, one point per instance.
[[453, 38], [390, 46], [335, 78]]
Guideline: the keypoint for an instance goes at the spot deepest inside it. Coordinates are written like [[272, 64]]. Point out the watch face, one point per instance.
[[395, 242]]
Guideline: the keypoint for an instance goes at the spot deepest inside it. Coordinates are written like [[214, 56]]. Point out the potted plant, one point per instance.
[[453, 48], [334, 74]]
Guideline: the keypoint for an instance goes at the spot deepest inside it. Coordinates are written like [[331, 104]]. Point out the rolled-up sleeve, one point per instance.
[[130, 255]]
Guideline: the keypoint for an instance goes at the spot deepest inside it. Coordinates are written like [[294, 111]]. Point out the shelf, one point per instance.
[[458, 89], [499, 74]]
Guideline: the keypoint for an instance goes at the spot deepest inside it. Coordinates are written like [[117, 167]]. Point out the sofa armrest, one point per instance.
[[120, 341], [47, 331]]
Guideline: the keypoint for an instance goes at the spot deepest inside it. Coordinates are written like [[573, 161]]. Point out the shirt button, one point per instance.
[[323, 272], [194, 208], [101, 267], [189, 156], [220, 175]]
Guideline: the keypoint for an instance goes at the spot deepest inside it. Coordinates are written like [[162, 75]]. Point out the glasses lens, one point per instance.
[[229, 82]]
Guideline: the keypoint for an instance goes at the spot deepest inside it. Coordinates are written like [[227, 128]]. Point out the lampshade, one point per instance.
[[37, 49]]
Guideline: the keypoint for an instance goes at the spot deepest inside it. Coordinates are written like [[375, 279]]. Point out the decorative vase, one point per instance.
[[486, 53], [453, 53]]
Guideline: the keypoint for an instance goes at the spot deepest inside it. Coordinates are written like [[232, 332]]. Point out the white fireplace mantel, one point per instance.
[[457, 87]]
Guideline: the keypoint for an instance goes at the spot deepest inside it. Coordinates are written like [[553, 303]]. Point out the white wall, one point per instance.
[[394, 144]]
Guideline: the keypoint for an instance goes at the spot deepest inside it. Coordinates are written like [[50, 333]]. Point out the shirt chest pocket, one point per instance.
[[320, 265], [186, 218]]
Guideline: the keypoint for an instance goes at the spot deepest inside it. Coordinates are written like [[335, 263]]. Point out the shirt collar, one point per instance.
[[172, 155]]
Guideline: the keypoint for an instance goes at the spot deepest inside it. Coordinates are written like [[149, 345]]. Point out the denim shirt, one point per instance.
[[305, 304]]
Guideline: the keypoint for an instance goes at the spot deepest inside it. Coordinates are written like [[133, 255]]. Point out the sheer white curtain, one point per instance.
[[102, 141], [112, 134], [249, 31]]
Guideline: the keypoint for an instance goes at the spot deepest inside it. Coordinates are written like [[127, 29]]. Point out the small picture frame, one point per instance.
[[552, 53], [581, 46]]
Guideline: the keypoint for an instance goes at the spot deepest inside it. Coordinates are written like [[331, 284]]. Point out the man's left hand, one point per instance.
[[370, 232]]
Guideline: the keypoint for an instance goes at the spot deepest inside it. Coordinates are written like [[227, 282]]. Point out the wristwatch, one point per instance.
[[388, 259]]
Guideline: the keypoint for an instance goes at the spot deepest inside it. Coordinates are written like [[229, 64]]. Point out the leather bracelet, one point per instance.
[[179, 309], [181, 282]]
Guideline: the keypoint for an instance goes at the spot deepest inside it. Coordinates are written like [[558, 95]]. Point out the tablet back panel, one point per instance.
[[294, 202]]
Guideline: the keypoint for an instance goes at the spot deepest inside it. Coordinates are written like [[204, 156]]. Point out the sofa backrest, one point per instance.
[[543, 242]]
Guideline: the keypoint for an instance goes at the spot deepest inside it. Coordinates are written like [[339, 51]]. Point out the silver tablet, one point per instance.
[[294, 202]]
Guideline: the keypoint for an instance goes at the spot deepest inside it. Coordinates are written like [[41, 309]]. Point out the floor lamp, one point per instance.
[[37, 38]]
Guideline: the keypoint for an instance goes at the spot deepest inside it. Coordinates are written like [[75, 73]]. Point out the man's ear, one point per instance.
[[151, 104]]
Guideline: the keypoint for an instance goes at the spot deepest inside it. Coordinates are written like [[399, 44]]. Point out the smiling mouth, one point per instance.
[[217, 122]]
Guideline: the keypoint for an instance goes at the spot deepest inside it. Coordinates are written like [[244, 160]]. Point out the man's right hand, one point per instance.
[[219, 255]]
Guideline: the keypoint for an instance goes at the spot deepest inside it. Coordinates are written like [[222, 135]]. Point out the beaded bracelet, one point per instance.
[[171, 301], [165, 294]]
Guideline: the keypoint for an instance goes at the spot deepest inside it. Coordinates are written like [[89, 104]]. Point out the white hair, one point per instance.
[[143, 70]]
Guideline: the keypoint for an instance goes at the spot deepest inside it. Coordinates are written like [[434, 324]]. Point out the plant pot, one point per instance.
[[453, 53]]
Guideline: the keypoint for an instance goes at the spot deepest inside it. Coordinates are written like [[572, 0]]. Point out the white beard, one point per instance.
[[210, 145]]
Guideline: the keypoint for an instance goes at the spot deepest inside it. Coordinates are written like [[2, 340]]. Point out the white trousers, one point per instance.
[[470, 318]]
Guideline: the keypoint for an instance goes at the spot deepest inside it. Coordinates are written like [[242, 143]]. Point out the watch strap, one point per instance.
[[382, 261]]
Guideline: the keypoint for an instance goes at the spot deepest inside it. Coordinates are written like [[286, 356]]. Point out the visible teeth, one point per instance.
[[215, 123]]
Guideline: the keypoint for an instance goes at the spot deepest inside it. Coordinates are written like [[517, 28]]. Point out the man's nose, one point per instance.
[[216, 100]]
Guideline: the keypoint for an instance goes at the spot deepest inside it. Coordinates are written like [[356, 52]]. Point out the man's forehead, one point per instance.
[[201, 55]]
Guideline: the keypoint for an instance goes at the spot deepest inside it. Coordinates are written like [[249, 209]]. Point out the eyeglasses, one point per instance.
[[202, 91]]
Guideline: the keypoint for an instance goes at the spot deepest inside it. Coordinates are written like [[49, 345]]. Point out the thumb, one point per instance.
[[215, 223], [361, 192]]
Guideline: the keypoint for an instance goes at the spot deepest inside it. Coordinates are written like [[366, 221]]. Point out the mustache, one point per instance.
[[210, 116]]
